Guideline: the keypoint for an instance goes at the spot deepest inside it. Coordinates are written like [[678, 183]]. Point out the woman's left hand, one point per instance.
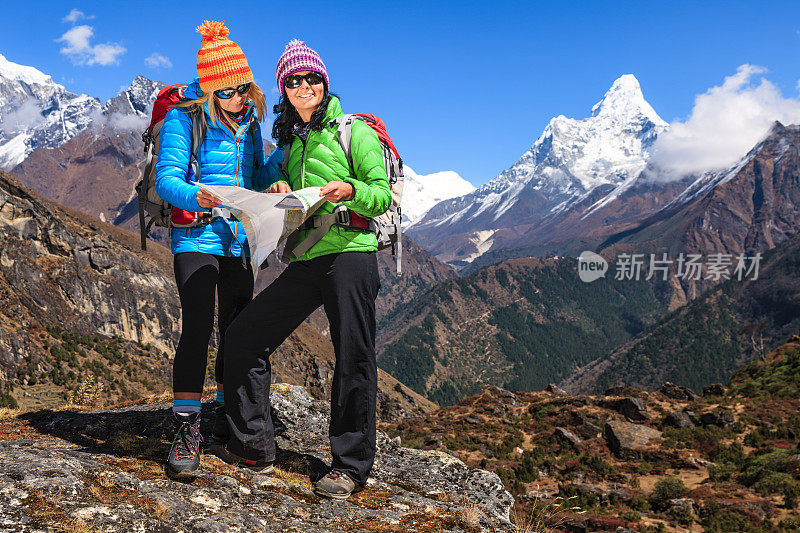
[[337, 191]]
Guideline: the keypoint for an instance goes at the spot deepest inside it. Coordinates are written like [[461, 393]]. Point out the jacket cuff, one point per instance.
[[191, 200], [357, 202]]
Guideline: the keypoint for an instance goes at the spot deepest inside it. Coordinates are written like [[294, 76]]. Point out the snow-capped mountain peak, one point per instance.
[[423, 191], [625, 99], [136, 99], [37, 112], [572, 157], [571, 160], [15, 72]]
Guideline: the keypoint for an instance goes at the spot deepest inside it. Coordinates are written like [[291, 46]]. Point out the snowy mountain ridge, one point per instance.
[[37, 112], [570, 160]]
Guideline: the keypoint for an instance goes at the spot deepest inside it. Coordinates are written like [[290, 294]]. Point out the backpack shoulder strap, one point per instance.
[[198, 137], [252, 128], [344, 132]]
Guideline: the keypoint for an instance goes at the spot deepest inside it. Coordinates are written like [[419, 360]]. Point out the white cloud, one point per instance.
[[80, 51], [75, 15], [725, 123], [156, 60], [22, 118]]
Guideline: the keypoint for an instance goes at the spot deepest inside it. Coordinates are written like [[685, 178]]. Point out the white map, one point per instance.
[[268, 218]]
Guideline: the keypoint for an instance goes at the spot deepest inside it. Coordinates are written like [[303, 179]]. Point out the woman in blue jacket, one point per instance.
[[212, 258]]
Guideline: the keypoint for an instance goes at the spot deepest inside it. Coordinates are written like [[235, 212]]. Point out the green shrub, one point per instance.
[[733, 453], [7, 400], [682, 514], [639, 502], [665, 490], [597, 464], [722, 471], [718, 519]]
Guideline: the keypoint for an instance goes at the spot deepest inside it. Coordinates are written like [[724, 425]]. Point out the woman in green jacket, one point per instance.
[[339, 272]]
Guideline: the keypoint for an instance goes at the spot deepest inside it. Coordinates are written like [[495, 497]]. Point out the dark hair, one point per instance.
[[288, 117]]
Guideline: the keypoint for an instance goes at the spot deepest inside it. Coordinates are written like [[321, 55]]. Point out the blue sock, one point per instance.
[[220, 398], [186, 406]]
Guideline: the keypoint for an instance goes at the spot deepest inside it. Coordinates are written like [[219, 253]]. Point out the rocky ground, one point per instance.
[[102, 470], [671, 460]]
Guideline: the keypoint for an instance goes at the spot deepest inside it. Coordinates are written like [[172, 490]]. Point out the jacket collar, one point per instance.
[[334, 110]]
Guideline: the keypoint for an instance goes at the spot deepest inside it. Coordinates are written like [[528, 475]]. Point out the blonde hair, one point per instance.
[[254, 95]]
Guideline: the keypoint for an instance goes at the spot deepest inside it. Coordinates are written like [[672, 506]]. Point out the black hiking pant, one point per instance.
[[200, 277], [346, 284]]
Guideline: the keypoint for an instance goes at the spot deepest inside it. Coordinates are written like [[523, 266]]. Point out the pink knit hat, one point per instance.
[[298, 57]]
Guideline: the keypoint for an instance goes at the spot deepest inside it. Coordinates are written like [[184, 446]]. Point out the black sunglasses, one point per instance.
[[296, 80], [228, 93]]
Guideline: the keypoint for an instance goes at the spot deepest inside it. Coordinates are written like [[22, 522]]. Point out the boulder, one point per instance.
[[715, 389], [678, 392], [719, 417], [631, 408], [678, 419], [568, 436], [104, 468], [629, 441], [555, 389]]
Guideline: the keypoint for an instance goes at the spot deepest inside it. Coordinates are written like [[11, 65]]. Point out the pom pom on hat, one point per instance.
[[213, 31]]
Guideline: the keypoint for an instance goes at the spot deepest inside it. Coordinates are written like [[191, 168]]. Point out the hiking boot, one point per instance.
[[221, 452], [184, 456], [220, 432], [336, 485]]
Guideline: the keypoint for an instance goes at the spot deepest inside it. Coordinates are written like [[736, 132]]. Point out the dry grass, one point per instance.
[[8, 414], [87, 394], [472, 514], [292, 476], [546, 517]]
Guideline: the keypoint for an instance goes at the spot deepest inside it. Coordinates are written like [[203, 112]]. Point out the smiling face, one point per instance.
[[306, 98]]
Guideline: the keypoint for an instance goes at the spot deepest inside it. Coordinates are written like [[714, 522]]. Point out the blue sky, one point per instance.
[[464, 86]]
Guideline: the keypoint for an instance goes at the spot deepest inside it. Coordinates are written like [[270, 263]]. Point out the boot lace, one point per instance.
[[187, 441]]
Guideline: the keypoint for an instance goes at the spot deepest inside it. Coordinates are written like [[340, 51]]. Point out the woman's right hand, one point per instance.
[[280, 186], [206, 200]]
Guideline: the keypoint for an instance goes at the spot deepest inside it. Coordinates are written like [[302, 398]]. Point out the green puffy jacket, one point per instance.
[[321, 159]]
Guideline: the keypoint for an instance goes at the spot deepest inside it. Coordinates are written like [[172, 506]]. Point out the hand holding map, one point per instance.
[[268, 218]]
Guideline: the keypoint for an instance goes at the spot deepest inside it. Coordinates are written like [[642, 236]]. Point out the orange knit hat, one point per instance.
[[220, 61]]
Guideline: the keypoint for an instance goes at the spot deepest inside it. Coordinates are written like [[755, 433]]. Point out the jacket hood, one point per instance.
[[193, 90]]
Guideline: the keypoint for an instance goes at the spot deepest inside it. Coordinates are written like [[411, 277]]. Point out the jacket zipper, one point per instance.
[[302, 161]]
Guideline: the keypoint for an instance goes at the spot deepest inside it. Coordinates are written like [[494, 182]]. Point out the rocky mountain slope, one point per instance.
[[629, 460], [90, 318], [746, 209], [572, 161], [706, 340], [519, 324], [103, 470]]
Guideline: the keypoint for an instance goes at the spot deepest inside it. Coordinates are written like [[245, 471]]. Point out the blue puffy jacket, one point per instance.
[[225, 158]]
